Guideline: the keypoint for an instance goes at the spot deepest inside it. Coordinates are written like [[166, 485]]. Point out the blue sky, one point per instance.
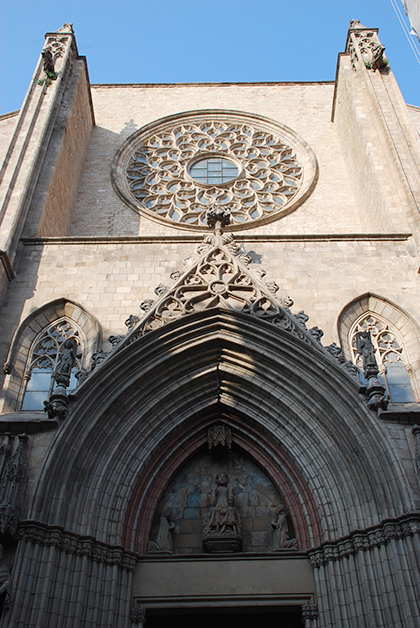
[[161, 41]]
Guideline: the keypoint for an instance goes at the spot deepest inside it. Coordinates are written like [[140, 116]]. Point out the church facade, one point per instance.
[[210, 325]]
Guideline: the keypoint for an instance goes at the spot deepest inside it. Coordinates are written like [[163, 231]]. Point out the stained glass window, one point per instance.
[[214, 170]]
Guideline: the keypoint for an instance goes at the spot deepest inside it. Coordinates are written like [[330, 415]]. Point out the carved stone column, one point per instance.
[[310, 615]]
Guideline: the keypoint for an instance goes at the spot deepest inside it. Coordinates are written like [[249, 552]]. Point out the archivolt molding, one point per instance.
[[277, 170], [150, 390]]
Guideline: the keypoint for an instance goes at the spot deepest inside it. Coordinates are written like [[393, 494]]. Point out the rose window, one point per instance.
[[175, 171]]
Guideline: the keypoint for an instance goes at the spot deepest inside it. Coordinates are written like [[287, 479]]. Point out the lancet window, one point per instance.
[[43, 359], [391, 356]]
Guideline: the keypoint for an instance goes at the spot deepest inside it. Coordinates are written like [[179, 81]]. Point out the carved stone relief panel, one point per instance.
[[189, 505]]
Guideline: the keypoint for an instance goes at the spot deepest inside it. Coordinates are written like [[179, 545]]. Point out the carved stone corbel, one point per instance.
[[138, 617]]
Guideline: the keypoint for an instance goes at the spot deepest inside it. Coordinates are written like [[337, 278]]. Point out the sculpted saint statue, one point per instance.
[[163, 541], [222, 516], [367, 351], [281, 538]]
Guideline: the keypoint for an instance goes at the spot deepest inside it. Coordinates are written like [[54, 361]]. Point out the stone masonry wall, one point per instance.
[[57, 187], [121, 110], [111, 279]]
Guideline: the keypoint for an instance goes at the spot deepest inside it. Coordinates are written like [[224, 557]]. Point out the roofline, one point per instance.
[[209, 84]]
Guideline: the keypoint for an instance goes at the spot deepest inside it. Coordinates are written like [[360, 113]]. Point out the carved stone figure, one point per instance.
[[5, 584], [218, 215], [81, 376], [222, 524], [281, 538], [163, 541], [377, 56], [316, 333], [367, 352], [161, 289], [66, 361], [48, 61]]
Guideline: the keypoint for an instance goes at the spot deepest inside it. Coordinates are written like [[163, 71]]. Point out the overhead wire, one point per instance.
[[405, 29]]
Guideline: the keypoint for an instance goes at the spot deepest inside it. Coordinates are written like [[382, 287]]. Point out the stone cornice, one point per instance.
[[70, 543], [364, 540], [248, 237]]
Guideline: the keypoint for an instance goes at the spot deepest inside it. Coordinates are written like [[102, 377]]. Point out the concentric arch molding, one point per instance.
[[268, 169]]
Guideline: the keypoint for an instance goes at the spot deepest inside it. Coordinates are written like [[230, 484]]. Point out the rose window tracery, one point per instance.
[[176, 171]]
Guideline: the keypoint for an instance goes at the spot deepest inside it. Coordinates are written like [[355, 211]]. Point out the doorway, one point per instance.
[[242, 617]]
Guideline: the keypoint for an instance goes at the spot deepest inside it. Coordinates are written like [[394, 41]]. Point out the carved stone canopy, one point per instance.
[[219, 435]]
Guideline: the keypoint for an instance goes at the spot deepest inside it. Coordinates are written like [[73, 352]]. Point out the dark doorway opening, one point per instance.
[[249, 617]]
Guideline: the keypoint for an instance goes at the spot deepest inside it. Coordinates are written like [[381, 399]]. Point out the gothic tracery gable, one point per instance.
[[219, 279]]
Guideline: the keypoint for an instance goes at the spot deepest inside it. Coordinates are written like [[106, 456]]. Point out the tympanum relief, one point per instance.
[[219, 503]]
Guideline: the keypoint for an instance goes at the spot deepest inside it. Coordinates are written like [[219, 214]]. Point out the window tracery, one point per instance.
[[390, 355], [43, 360], [175, 171]]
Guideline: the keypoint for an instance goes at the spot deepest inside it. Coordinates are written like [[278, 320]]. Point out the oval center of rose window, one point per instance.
[[213, 170]]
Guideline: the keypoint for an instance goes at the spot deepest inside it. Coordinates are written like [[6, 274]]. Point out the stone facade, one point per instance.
[[142, 333]]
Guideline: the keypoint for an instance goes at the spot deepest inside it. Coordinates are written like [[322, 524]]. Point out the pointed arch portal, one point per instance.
[[146, 410]]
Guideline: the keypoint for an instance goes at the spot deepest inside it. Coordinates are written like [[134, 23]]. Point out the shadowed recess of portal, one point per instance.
[[289, 617]]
